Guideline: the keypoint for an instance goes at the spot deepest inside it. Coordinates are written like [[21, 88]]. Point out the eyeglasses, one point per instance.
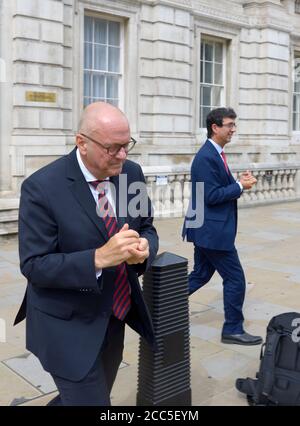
[[114, 149], [229, 125]]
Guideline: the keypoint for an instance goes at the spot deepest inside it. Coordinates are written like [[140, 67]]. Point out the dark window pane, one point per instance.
[[201, 71], [114, 59], [88, 28], [295, 121], [208, 52], [100, 60], [297, 74], [218, 52], [218, 74], [204, 113], [98, 85], [216, 96], [206, 96], [112, 87], [86, 101], [88, 55], [100, 31], [87, 84], [114, 33], [208, 72], [202, 51], [114, 102], [98, 99]]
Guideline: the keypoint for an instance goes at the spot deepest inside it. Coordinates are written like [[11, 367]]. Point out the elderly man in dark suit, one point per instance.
[[82, 255], [214, 248]]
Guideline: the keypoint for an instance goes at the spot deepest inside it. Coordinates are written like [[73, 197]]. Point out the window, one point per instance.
[[297, 6], [211, 78], [296, 94], [102, 60]]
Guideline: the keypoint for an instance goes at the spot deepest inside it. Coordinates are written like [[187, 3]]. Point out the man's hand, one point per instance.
[[118, 248], [247, 180], [140, 254]]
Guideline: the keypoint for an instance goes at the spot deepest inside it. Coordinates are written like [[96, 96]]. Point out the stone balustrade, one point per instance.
[[273, 185], [169, 187]]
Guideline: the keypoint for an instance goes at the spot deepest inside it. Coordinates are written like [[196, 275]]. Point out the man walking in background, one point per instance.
[[214, 241]]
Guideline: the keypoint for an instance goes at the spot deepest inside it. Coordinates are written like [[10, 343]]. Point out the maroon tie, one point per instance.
[[121, 297], [225, 161]]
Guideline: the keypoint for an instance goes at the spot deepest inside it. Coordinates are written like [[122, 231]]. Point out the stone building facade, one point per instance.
[[166, 63]]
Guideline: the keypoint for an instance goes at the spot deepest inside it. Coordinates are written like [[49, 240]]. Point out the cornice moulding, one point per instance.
[[130, 5], [218, 15], [179, 4], [267, 22]]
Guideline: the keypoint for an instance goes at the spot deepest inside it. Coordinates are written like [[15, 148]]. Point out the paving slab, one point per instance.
[[29, 367], [14, 390]]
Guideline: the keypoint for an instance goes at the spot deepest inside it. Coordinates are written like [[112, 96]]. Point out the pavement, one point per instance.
[[268, 242]]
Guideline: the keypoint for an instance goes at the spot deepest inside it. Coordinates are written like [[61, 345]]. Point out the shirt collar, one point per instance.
[[86, 173], [218, 147]]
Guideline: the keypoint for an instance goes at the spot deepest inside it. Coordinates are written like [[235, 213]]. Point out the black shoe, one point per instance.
[[241, 339]]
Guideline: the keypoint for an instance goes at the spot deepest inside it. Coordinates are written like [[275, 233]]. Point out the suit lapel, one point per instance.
[[81, 191], [216, 155]]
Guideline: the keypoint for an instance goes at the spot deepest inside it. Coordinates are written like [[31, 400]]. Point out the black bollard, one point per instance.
[[164, 375]]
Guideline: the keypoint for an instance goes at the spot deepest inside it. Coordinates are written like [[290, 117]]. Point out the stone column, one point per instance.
[[166, 106], [264, 110]]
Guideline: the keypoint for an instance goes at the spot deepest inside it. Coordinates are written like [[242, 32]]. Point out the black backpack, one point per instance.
[[278, 379]]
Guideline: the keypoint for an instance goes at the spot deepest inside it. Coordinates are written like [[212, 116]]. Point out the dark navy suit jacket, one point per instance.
[[220, 206], [67, 308]]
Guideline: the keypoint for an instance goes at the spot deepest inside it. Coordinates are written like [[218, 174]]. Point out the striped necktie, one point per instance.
[[121, 297]]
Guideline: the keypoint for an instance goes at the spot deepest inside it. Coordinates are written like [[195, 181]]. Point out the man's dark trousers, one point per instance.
[[96, 387], [227, 264]]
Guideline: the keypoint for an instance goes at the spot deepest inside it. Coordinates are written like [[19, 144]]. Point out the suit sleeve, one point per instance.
[[215, 192], [41, 262]]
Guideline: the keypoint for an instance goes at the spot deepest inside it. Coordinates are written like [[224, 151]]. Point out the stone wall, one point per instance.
[[42, 63]]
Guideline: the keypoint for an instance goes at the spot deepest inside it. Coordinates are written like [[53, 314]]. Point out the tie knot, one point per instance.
[[99, 185]]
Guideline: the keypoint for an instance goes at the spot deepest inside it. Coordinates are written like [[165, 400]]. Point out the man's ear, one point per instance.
[[81, 143], [214, 128]]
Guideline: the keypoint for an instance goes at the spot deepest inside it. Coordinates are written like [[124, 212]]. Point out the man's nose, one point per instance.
[[121, 153]]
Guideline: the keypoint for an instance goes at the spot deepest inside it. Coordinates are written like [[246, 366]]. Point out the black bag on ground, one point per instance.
[[278, 379]]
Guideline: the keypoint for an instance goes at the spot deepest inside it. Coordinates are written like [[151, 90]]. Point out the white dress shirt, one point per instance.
[[89, 177]]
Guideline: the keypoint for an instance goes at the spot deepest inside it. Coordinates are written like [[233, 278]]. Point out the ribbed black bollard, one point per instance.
[[164, 375]]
